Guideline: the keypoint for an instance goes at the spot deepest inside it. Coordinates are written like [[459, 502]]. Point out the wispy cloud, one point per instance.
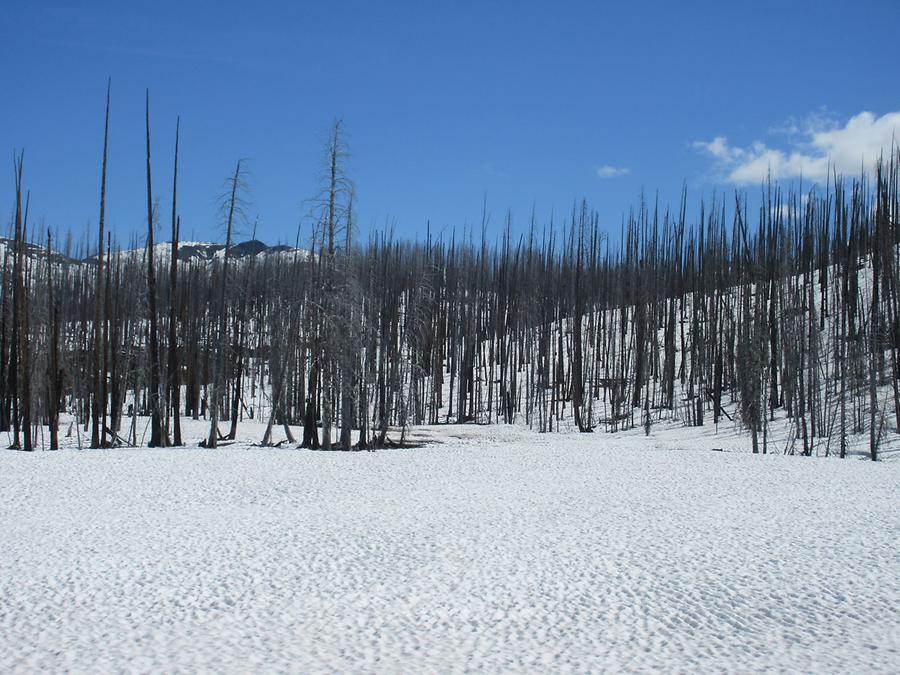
[[607, 171], [814, 149]]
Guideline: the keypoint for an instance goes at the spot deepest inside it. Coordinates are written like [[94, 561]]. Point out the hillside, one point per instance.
[[787, 332]]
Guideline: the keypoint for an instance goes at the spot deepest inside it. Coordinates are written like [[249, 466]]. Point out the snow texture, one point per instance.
[[493, 549]]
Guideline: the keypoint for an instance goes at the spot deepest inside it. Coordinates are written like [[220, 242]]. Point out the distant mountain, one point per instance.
[[188, 251], [193, 250], [7, 247]]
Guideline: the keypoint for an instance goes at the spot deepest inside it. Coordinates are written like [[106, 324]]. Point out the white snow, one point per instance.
[[493, 550]]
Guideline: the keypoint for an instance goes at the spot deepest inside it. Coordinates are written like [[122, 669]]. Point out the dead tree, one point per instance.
[[157, 433], [232, 209], [23, 375], [98, 376], [174, 378]]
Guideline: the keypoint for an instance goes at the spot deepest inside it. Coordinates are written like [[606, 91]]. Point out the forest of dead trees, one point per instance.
[[790, 309]]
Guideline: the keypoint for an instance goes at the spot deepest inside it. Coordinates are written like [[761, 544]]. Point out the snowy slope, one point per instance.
[[495, 550]]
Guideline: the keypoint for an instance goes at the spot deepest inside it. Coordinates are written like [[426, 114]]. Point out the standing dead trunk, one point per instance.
[[157, 438], [174, 379], [23, 377], [214, 396], [97, 405]]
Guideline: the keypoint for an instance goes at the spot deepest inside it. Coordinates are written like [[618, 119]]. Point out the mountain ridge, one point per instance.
[[188, 251]]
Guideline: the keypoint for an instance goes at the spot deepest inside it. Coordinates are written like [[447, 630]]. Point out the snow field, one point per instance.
[[493, 550]]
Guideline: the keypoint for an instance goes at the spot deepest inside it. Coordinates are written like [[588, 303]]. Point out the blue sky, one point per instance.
[[530, 103]]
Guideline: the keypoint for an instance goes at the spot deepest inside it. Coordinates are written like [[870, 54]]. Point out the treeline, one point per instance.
[[791, 311]]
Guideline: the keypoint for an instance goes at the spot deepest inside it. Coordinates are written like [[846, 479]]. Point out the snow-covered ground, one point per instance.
[[493, 549]]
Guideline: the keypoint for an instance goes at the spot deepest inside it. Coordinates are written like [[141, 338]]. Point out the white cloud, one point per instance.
[[820, 147], [719, 148], [608, 171]]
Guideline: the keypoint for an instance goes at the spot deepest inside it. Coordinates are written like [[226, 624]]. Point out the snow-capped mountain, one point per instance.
[[188, 251]]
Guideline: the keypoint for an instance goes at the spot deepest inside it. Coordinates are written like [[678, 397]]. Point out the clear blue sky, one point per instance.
[[528, 102]]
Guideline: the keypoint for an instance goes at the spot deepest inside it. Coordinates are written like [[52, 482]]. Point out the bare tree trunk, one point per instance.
[[23, 377], [212, 440], [174, 379], [99, 348], [53, 373], [157, 438]]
